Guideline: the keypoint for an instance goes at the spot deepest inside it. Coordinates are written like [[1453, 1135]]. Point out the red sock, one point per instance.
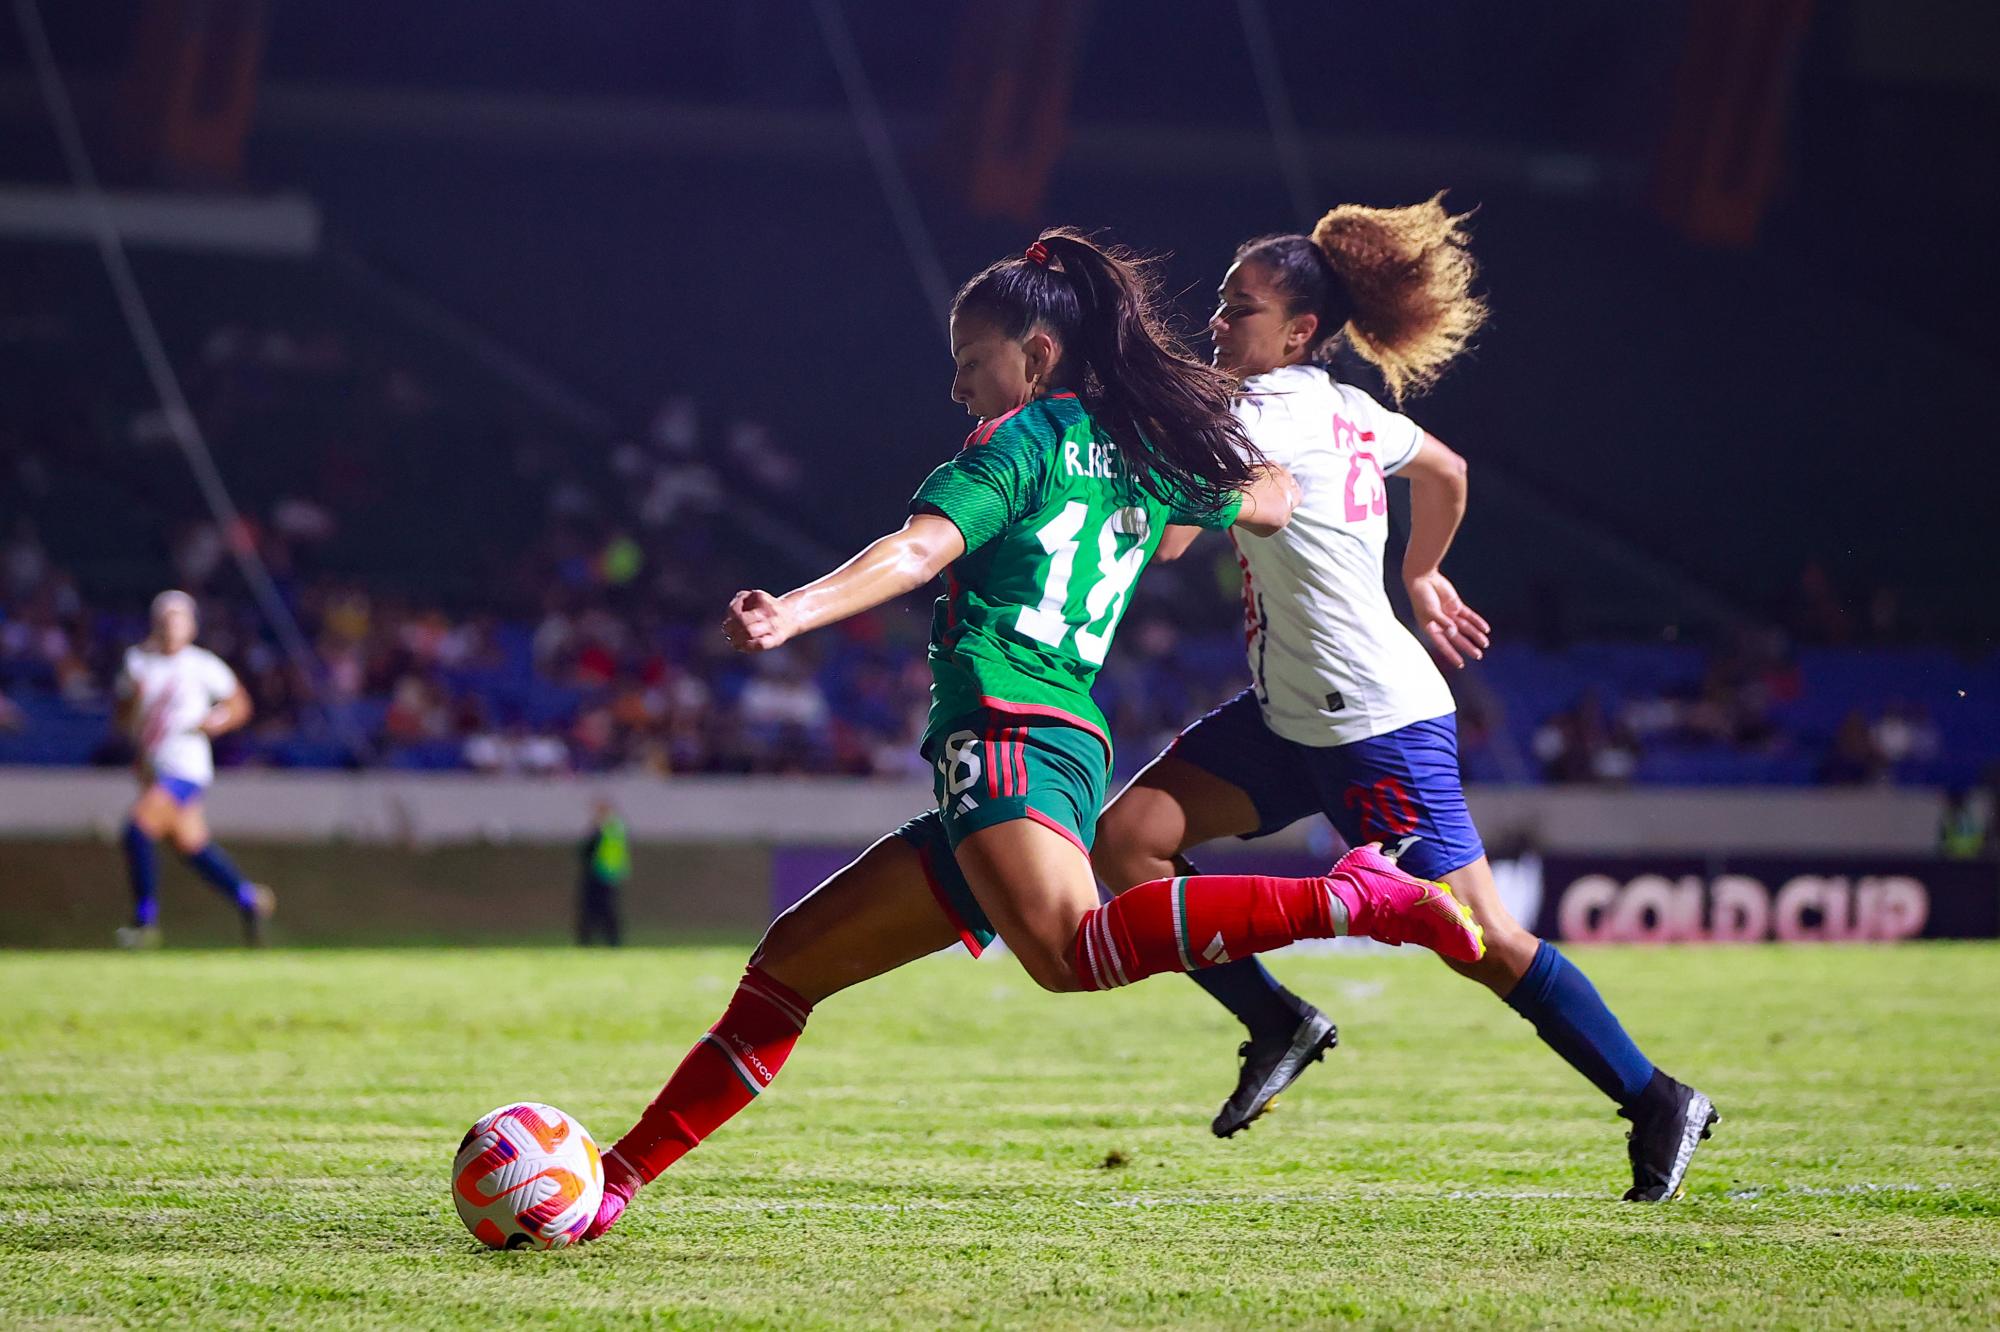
[[1204, 921], [724, 1072]]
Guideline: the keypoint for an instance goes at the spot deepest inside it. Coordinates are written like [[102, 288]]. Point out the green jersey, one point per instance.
[[1056, 532]]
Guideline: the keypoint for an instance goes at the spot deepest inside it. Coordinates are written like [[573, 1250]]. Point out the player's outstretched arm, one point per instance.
[[1268, 501], [900, 562], [1437, 478]]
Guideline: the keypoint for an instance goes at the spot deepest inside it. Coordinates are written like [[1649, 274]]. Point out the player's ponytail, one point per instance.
[[1167, 413], [1395, 283]]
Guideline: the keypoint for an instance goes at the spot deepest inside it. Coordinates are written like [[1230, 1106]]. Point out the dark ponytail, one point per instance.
[[1167, 413]]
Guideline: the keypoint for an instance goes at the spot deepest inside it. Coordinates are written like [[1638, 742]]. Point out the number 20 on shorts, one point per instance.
[[1384, 807]]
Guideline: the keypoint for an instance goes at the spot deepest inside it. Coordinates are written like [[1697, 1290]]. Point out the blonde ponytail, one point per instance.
[[1408, 277]]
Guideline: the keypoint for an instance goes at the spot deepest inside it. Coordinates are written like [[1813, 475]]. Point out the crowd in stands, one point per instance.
[[1749, 708], [568, 621], [601, 682]]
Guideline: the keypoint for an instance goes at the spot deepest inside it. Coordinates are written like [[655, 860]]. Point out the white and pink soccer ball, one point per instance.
[[527, 1176]]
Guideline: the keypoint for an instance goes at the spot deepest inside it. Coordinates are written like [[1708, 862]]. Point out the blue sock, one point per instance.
[[1571, 1017], [220, 870], [1253, 994], [139, 867]]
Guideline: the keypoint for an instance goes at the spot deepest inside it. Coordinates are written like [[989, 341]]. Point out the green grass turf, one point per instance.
[[263, 1140]]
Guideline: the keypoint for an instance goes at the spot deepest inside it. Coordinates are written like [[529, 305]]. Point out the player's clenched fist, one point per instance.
[[758, 622]]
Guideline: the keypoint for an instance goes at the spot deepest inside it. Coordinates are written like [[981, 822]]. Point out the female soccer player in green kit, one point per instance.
[[1097, 432]]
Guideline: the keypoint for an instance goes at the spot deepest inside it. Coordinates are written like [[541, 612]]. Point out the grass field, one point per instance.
[[262, 1140]]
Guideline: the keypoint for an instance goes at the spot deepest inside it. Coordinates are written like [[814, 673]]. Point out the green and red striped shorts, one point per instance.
[[991, 767]]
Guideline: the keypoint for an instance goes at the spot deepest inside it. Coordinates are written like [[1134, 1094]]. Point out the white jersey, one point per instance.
[[172, 693], [1330, 661]]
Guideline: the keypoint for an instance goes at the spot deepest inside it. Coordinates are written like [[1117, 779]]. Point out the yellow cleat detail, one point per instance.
[[1465, 913]]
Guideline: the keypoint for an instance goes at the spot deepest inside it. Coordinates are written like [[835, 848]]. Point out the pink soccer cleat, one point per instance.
[[1384, 903], [621, 1181]]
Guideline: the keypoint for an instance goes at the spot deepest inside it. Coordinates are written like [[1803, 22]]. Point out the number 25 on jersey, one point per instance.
[[1367, 490]]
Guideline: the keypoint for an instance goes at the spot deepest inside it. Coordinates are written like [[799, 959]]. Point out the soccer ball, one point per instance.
[[527, 1176]]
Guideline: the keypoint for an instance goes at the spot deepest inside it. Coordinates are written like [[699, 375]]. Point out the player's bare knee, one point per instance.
[[151, 818], [783, 942], [1049, 969]]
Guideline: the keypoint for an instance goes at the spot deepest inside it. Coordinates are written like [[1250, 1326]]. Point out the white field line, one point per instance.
[[1280, 1199], [1844, 1191], [1123, 1202]]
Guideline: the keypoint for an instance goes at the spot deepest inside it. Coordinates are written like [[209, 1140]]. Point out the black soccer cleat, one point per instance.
[[1271, 1064], [1669, 1120]]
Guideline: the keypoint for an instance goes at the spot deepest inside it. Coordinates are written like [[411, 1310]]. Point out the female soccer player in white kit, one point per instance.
[[1346, 714], [173, 698]]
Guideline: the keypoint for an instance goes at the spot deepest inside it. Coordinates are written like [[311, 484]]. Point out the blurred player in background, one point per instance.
[[173, 698], [1098, 432], [1346, 715], [607, 863]]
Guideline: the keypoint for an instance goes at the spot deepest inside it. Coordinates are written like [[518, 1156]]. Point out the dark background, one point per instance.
[[652, 198]]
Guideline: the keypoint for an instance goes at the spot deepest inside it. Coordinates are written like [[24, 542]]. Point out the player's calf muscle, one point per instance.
[[1510, 947], [1129, 852], [811, 960], [1138, 838]]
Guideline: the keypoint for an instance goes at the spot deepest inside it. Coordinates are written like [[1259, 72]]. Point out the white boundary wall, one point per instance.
[[430, 809]]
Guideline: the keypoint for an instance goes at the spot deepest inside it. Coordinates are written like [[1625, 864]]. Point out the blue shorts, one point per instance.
[[1388, 788], [180, 790]]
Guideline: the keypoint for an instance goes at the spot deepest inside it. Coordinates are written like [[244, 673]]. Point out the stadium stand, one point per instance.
[[497, 584]]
